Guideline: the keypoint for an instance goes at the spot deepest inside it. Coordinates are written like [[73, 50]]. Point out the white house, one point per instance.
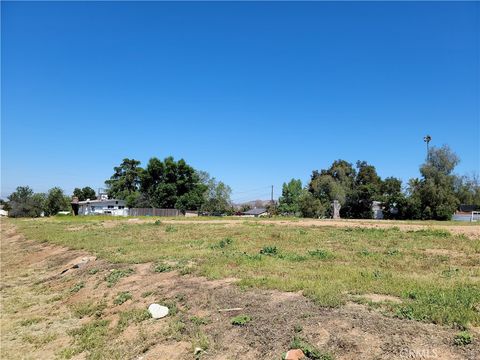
[[103, 207]]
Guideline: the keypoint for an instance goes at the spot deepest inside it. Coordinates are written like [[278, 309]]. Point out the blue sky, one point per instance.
[[253, 93]]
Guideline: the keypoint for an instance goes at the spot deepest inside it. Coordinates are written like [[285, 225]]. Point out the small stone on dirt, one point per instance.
[[197, 350], [158, 311], [78, 263], [295, 354]]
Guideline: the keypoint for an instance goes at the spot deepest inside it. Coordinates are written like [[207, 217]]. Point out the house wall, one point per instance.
[[109, 207]]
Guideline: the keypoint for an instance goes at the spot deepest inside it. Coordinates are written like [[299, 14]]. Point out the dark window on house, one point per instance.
[[110, 206], [116, 202], [121, 207]]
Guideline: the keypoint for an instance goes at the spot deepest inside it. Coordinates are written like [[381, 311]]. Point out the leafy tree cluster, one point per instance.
[[168, 184], [85, 193], [23, 202], [436, 195]]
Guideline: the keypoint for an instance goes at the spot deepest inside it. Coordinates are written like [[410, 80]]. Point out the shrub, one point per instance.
[[223, 243], [269, 250], [122, 297], [321, 254], [162, 267], [77, 287], [240, 320], [405, 312], [199, 320], [463, 338], [116, 274]]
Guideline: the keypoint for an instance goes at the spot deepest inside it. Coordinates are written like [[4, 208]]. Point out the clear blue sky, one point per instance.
[[253, 93]]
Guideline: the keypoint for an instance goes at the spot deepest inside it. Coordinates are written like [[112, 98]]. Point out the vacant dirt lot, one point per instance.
[[47, 314]]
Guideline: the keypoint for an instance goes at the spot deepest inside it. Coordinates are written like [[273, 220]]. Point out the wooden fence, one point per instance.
[[154, 212]]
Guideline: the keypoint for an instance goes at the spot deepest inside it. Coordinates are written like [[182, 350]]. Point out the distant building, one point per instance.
[[255, 212], [467, 212], [103, 206], [3, 213]]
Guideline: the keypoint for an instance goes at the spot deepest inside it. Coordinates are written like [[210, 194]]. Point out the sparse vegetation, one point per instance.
[[30, 321], [122, 297], [77, 287], [325, 263], [39, 340], [240, 320], [116, 274], [133, 316], [162, 267], [147, 293], [463, 338], [309, 350], [170, 228], [199, 320], [321, 254], [89, 309], [91, 337], [269, 250], [223, 243]]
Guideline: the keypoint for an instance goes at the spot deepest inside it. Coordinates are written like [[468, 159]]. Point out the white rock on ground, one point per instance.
[[158, 311]]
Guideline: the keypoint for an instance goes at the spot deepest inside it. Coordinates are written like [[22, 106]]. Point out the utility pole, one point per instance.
[[427, 139], [272, 195]]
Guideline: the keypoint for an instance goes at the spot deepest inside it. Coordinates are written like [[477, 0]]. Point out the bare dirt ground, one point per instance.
[[37, 314]]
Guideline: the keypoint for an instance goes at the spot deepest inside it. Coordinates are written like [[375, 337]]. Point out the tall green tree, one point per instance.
[[56, 201], [394, 201], [335, 183], [436, 190], [310, 206], [367, 188], [467, 190], [125, 180], [170, 183], [217, 198], [288, 203]]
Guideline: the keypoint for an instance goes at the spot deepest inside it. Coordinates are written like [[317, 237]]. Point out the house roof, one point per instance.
[[256, 211], [100, 201]]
